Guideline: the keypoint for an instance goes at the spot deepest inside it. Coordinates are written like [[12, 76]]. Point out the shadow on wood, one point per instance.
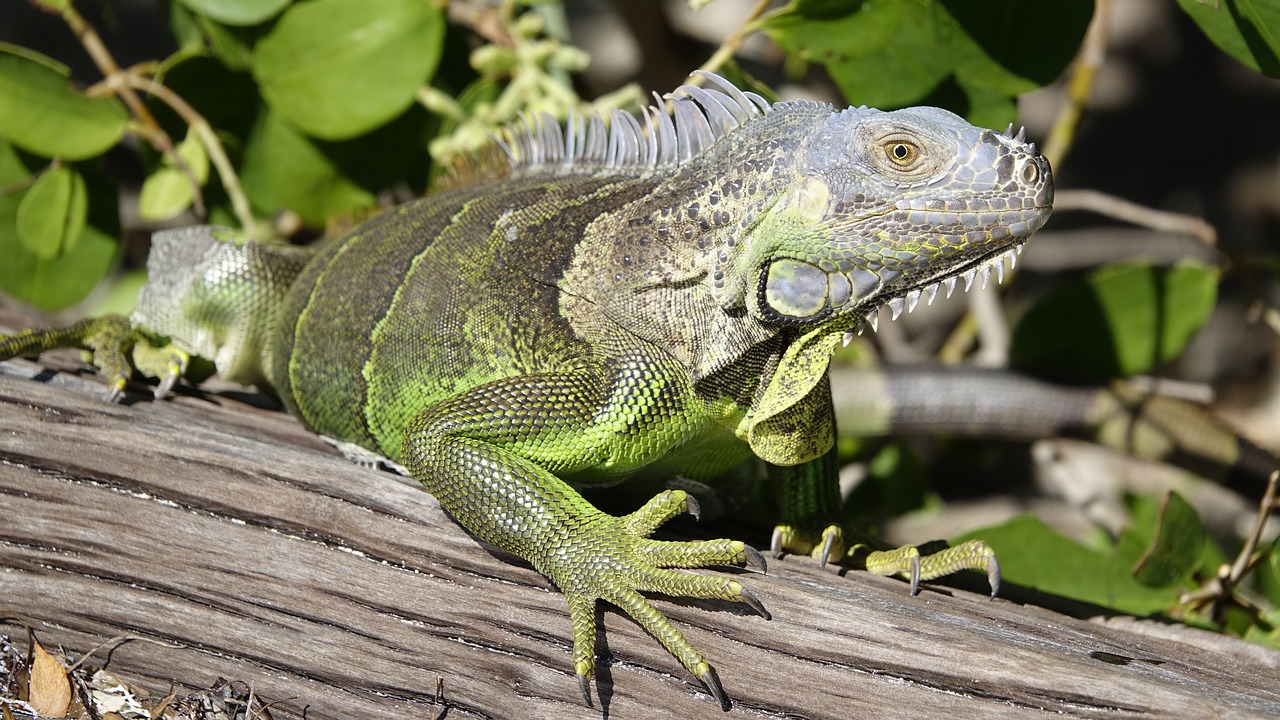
[[233, 533]]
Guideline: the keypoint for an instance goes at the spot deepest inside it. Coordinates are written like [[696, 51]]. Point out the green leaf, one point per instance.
[[883, 53], [890, 53], [168, 191], [1175, 551], [42, 114], [300, 175], [991, 47], [339, 68], [1121, 320], [1247, 30], [199, 33], [51, 215], [828, 31], [1032, 555], [55, 284], [237, 12]]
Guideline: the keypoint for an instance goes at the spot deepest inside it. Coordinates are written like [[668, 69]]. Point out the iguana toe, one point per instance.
[[825, 546], [908, 561]]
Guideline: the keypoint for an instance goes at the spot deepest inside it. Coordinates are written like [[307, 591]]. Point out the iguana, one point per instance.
[[656, 296]]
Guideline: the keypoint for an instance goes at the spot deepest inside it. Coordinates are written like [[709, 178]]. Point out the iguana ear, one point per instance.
[[792, 421]]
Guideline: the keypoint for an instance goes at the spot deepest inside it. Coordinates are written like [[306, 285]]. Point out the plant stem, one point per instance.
[[212, 145], [1079, 85], [117, 81], [733, 43]]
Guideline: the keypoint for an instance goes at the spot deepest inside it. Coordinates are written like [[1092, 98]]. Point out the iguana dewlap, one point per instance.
[[661, 296]]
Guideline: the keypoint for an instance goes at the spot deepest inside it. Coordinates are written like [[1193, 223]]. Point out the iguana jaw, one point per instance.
[[979, 268]]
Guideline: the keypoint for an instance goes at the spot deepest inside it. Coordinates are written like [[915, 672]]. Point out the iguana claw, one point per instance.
[[711, 680], [749, 598], [787, 538]]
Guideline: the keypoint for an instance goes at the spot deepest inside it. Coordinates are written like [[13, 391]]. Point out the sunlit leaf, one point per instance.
[[41, 113], [237, 12], [1121, 320], [301, 177], [1247, 30], [168, 191], [889, 53], [339, 68], [51, 215], [1035, 556], [1176, 549], [48, 284]]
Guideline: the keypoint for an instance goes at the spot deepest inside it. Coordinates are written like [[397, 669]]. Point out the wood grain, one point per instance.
[[232, 533]]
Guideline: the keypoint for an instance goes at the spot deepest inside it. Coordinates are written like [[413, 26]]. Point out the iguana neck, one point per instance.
[[687, 233]]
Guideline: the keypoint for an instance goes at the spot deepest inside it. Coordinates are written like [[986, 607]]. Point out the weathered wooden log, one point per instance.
[[233, 534]]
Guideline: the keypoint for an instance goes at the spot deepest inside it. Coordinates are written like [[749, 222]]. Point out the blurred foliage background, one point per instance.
[[1156, 279]]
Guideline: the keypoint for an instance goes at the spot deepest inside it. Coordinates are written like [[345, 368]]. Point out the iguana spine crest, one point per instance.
[[699, 118]]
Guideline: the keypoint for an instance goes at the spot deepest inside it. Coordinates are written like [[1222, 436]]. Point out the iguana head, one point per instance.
[[884, 207]]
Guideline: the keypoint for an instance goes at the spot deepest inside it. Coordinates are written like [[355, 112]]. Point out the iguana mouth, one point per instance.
[[907, 301]]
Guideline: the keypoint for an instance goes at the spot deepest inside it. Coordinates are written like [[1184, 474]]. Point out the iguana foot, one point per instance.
[[790, 539], [613, 559], [114, 345], [908, 561]]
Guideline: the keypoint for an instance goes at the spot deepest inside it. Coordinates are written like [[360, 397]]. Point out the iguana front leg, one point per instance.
[[117, 348], [809, 503], [491, 456]]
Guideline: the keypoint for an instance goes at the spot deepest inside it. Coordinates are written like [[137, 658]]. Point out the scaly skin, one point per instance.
[[664, 302]]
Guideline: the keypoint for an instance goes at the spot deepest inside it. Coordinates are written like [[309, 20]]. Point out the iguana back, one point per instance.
[[430, 299]]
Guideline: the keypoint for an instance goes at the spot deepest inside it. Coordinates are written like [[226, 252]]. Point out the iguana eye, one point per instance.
[[903, 154]]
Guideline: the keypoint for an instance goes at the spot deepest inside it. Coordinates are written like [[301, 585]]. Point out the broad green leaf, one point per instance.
[[237, 12], [339, 68], [48, 284], [882, 53], [57, 284], [1121, 320], [52, 213], [168, 191], [41, 113], [301, 176], [1012, 46], [1032, 555], [1267, 633], [1247, 30], [1176, 549], [200, 34], [890, 53], [833, 31]]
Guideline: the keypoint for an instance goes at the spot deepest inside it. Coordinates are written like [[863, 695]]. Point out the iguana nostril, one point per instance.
[[1030, 173]]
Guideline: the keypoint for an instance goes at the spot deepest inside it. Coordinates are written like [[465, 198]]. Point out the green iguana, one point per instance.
[[657, 296]]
